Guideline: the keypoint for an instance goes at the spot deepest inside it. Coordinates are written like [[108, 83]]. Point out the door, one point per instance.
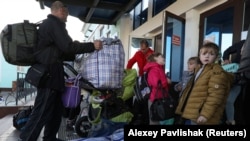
[[222, 24], [173, 43]]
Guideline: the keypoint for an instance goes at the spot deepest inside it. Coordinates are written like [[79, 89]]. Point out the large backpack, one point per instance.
[[140, 103], [142, 89], [18, 42]]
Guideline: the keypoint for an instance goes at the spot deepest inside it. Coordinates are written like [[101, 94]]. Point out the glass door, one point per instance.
[[222, 24], [219, 28], [173, 45]]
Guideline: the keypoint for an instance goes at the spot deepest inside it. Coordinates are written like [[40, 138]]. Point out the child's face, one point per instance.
[[207, 56], [192, 65], [160, 60]]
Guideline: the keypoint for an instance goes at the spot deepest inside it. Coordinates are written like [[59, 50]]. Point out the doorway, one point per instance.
[[223, 24], [158, 43], [173, 45]]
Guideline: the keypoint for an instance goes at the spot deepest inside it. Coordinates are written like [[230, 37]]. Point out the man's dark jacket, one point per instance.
[[59, 47], [234, 49]]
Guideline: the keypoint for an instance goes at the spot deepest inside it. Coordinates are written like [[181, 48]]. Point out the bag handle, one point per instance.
[[159, 87], [162, 91], [77, 79]]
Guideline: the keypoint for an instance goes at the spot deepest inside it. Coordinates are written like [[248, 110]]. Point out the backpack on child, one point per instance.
[[140, 102], [18, 42], [142, 89]]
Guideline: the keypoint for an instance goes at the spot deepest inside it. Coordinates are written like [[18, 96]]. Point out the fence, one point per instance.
[[20, 89]]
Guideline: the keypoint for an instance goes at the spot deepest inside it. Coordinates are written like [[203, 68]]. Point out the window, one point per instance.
[[140, 13], [159, 5], [220, 25], [220, 30]]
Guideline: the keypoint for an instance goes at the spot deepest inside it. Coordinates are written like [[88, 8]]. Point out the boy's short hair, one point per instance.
[[196, 59], [211, 45]]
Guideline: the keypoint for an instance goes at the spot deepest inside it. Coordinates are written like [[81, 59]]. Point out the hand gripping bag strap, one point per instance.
[[105, 68]]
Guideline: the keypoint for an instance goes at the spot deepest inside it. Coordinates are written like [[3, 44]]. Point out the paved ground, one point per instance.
[[9, 133]]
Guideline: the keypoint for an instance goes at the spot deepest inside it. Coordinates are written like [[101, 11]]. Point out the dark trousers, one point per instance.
[[47, 113]]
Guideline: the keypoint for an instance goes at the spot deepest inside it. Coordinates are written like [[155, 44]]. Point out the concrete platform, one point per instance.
[[9, 133]]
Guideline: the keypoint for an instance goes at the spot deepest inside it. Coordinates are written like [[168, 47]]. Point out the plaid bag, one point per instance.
[[105, 68]]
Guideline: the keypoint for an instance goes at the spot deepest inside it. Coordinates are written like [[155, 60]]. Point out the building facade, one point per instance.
[[177, 28]]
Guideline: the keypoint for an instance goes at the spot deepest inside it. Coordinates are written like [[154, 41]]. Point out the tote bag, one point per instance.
[[72, 94], [105, 68], [163, 108]]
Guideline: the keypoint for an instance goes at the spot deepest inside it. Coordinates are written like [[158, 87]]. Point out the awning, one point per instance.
[[96, 11]]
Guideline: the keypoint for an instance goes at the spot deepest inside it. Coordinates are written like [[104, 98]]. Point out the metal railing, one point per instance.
[[20, 90]]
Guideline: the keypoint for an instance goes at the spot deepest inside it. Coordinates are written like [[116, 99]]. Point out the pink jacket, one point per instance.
[[155, 74]]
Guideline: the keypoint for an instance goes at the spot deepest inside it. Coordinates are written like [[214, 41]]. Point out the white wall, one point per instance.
[[124, 27], [191, 35]]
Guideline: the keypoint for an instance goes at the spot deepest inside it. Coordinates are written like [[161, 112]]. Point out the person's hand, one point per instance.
[[201, 119], [98, 44], [226, 62]]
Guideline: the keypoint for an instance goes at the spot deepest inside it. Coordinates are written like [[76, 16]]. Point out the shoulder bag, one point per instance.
[[37, 74], [163, 108]]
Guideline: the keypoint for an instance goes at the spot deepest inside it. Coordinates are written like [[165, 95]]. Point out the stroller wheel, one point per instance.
[[82, 126]]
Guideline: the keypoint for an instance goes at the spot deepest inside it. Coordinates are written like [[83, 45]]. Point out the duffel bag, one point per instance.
[[105, 68]]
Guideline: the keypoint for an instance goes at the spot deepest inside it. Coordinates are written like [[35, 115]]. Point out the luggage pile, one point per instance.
[[103, 75]]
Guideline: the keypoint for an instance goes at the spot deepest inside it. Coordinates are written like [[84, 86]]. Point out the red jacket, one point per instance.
[[155, 74], [141, 60]]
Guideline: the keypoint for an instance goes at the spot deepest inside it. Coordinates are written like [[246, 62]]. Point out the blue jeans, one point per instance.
[[47, 113], [234, 93], [190, 122]]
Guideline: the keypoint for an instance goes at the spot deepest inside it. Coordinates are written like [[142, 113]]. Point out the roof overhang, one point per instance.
[[96, 11]]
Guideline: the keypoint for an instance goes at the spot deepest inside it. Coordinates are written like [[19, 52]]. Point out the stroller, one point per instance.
[[99, 108]]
